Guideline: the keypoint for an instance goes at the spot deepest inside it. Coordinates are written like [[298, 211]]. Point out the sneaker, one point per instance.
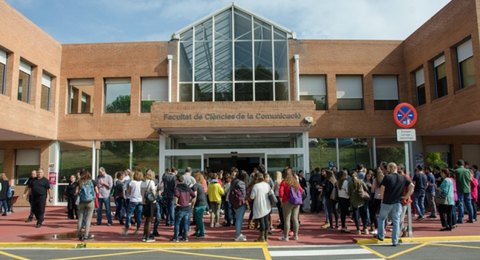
[[366, 231], [345, 230], [330, 228], [377, 237], [218, 225], [212, 225], [149, 240], [136, 232], [283, 238], [144, 239], [175, 240], [124, 233], [432, 217], [156, 234], [294, 238], [184, 239], [358, 232], [87, 239], [420, 218], [374, 232], [240, 238], [325, 225], [200, 237]]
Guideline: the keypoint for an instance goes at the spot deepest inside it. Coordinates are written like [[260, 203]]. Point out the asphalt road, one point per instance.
[[437, 251]]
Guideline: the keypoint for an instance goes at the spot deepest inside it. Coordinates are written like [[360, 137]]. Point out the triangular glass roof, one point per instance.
[[218, 15]]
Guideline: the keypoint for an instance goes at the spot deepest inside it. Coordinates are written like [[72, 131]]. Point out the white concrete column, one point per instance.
[[169, 57], [297, 75]]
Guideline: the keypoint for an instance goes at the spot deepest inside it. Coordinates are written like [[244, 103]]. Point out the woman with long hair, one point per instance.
[[4, 185], [199, 206], [446, 209], [239, 183], [290, 211], [278, 181], [261, 205], [330, 183], [120, 196], [343, 198], [85, 208], [376, 201], [136, 202], [149, 209], [357, 203]]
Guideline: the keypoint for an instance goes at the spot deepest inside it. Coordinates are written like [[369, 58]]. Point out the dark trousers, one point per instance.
[[474, 207], [30, 200], [263, 221], [332, 210], [280, 212], [72, 208], [446, 215], [121, 209], [344, 204], [360, 213], [38, 207], [374, 208], [316, 204]]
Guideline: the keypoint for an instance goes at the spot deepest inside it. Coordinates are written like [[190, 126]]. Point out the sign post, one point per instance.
[[405, 116]]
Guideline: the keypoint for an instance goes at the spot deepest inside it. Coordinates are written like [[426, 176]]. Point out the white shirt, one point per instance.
[[143, 187], [135, 192], [261, 203], [343, 192]]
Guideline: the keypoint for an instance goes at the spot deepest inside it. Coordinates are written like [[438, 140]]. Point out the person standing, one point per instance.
[[104, 185], [120, 196], [463, 190], [86, 190], [446, 188], [261, 205], [183, 194], [149, 208], [430, 193], [199, 206], [357, 203], [391, 191], [240, 184], [136, 203], [215, 192], [315, 185], [72, 198], [39, 188], [420, 182], [33, 175], [4, 187], [168, 195], [303, 184]]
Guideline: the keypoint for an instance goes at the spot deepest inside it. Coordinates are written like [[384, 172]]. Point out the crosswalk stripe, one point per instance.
[[283, 253]]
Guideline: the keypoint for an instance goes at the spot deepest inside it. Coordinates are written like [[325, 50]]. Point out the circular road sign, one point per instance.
[[405, 115]]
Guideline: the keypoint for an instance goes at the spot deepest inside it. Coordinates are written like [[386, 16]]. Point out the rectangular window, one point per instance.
[[440, 70], [45, 97], [24, 82], [420, 86], [385, 92], [3, 70], [349, 92], [153, 90], [26, 160], [117, 95], [80, 96], [465, 64], [313, 87], [2, 156]]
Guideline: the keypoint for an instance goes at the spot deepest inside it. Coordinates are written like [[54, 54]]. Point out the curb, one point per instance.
[[133, 245], [419, 239]]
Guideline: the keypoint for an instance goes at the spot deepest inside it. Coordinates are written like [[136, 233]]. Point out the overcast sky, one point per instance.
[[88, 21]]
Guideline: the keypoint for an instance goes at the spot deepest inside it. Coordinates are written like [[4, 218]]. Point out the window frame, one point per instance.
[[163, 83], [306, 94], [116, 81], [437, 63], [3, 72], [464, 51], [47, 83], [26, 69], [342, 99]]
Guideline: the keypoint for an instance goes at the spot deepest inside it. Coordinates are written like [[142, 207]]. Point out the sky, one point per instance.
[[95, 21]]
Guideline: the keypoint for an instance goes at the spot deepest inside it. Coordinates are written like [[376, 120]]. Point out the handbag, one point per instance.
[[272, 198], [441, 198], [149, 196], [362, 193], [334, 194]]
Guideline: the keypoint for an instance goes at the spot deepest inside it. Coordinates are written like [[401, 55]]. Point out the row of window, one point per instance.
[[24, 93], [466, 73], [350, 91]]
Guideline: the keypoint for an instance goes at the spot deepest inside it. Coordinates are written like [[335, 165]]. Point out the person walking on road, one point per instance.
[[391, 191], [33, 175], [39, 188]]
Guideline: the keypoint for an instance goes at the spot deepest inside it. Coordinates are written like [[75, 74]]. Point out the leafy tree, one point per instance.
[[120, 105], [435, 159]]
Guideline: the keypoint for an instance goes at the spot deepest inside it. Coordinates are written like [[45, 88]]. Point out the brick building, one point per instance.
[[235, 89]]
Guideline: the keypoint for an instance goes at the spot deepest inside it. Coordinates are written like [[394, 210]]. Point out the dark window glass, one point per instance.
[[2, 78], [243, 92], [385, 104], [421, 96], [350, 104], [263, 61], [186, 60], [441, 80], [203, 92], [23, 87], [223, 60], [45, 98], [467, 73], [319, 100], [117, 98], [223, 92], [243, 26], [146, 106], [185, 92], [243, 60], [263, 91], [281, 91]]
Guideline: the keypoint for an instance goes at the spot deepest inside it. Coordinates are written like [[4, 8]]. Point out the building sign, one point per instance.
[[406, 135], [226, 116], [52, 178]]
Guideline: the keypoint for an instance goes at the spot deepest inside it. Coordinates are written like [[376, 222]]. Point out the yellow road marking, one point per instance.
[[13, 256], [207, 255], [106, 255], [471, 247], [266, 253], [373, 251], [408, 250]]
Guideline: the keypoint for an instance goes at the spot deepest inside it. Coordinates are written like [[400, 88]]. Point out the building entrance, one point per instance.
[[247, 163]]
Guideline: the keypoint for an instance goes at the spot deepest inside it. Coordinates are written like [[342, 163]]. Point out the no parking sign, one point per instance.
[[405, 115]]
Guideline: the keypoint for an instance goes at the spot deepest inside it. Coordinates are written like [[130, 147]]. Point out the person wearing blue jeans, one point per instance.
[[419, 203], [108, 210], [239, 214], [158, 215], [136, 207], [392, 187], [463, 191], [104, 184], [420, 181], [170, 211], [183, 195]]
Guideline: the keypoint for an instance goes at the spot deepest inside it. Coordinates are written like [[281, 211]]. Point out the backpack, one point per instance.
[[236, 197], [295, 197], [148, 196], [87, 192]]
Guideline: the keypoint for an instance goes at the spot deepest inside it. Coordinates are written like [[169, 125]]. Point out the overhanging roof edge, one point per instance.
[[176, 35]]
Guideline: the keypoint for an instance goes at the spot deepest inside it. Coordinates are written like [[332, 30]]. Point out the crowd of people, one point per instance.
[[372, 198]]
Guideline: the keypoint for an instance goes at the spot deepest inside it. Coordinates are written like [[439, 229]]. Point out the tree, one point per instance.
[[120, 105], [435, 160]]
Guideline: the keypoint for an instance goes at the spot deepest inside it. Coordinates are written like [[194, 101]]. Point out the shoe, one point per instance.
[[345, 230], [109, 224], [218, 225], [377, 237], [240, 238], [432, 217], [175, 240], [28, 220], [88, 239], [446, 229], [38, 225], [325, 225], [454, 227], [156, 234], [136, 232], [470, 221], [283, 238], [294, 238], [366, 231], [121, 222], [124, 233], [420, 218], [200, 237], [212, 225], [395, 244], [144, 239], [329, 228], [4, 214], [404, 233], [290, 233], [150, 239], [358, 232], [374, 232], [184, 239], [97, 224]]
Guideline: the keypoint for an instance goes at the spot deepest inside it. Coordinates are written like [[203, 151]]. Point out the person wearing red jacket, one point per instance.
[[289, 210]]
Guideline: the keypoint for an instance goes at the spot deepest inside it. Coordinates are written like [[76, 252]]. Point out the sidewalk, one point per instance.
[[58, 229]]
